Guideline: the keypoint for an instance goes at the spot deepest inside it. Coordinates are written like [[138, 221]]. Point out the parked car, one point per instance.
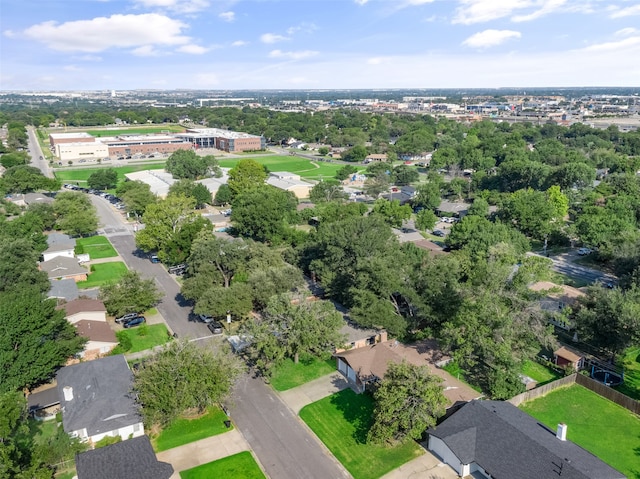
[[438, 233], [215, 327], [126, 317], [178, 269], [154, 258], [584, 251], [205, 318], [134, 322]]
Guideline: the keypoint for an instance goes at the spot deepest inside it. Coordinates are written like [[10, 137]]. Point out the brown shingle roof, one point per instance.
[[96, 331], [567, 354], [82, 305]]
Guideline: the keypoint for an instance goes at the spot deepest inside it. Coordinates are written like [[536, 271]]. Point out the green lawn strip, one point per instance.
[[156, 334], [96, 247], [183, 431], [539, 373], [289, 375], [603, 428], [238, 466], [145, 130], [631, 384], [103, 273], [292, 164], [81, 175], [342, 421]]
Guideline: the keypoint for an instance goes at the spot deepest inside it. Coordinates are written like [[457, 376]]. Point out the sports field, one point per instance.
[[308, 169], [145, 130], [81, 174]]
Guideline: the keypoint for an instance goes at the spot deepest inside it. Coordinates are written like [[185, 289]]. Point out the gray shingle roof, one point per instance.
[[61, 266], [133, 458], [102, 398], [506, 442], [60, 238], [66, 289]]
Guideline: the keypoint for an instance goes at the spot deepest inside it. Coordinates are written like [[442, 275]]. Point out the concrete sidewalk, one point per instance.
[[427, 466], [204, 451], [308, 393]]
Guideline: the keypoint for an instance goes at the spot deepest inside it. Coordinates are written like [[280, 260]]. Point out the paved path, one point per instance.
[[204, 451], [282, 443], [426, 466], [308, 393]]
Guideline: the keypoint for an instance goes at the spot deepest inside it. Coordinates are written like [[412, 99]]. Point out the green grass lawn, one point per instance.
[[143, 130], [600, 426], [539, 373], [453, 368], [103, 273], [184, 431], [155, 335], [307, 169], [289, 375], [342, 421], [631, 384], [96, 246], [238, 466], [81, 175]]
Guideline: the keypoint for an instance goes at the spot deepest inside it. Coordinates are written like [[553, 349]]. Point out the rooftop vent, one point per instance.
[[562, 432], [68, 393]]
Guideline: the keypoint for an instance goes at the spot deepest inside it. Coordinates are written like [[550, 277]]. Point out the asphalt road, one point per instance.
[[283, 445], [36, 153], [564, 265]]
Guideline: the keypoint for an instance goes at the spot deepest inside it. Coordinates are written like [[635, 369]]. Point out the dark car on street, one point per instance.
[[126, 317], [438, 233], [134, 322], [215, 327]]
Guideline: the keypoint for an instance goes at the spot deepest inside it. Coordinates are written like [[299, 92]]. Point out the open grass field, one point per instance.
[[238, 466], [631, 384], [307, 169], [103, 273], [144, 338], [184, 431], [600, 426], [96, 247], [143, 130], [539, 373], [342, 421], [289, 375], [80, 175]]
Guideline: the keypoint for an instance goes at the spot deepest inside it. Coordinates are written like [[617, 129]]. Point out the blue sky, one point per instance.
[[317, 44]]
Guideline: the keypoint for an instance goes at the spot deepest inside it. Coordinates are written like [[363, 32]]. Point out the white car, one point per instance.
[[584, 251]]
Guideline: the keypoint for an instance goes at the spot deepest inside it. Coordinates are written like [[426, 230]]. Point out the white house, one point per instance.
[[59, 245], [84, 309]]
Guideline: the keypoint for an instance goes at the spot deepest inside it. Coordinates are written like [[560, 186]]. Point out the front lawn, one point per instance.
[[289, 375], [539, 373], [97, 247], [631, 384], [103, 273], [183, 431], [238, 466], [141, 338], [342, 421], [603, 428], [81, 175]]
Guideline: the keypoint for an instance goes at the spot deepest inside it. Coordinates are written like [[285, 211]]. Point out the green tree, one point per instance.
[[345, 172], [376, 185], [36, 339], [184, 377], [223, 195], [356, 154], [103, 179], [18, 265], [479, 207], [192, 189], [323, 150], [25, 179], [428, 195], [529, 211], [186, 164], [246, 176], [392, 212], [136, 196], [260, 214], [404, 175], [476, 235], [426, 220], [130, 294], [327, 190], [409, 400], [75, 214], [14, 158]]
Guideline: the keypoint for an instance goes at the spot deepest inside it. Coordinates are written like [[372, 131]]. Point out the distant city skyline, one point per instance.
[[316, 44]]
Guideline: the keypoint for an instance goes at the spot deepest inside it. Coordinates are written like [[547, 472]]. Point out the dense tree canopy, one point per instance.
[[261, 213], [136, 195], [75, 214], [130, 294], [246, 176], [103, 179], [194, 190], [186, 164]]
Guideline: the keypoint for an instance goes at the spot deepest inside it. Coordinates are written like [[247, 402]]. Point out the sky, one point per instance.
[[317, 44]]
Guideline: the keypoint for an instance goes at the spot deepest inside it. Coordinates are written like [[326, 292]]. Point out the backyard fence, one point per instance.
[[597, 387]]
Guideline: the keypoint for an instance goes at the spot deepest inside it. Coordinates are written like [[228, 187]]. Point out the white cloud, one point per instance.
[[299, 55], [549, 6], [478, 11], [362, 2], [272, 38], [625, 32], [87, 58], [9, 33], [619, 46], [490, 38], [145, 51], [177, 6], [192, 49], [239, 43], [227, 16], [303, 27], [625, 12], [117, 31]]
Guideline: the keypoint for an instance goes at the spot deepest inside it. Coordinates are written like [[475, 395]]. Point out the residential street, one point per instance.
[[285, 448], [564, 265], [36, 153]]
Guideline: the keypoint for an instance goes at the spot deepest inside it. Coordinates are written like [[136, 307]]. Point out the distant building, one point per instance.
[[226, 140], [290, 182], [129, 145]]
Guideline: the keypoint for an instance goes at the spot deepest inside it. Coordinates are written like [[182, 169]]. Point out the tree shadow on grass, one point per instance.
[[357, 410]]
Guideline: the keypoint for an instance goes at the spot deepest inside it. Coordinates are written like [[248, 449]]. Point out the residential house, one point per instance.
[[100, 338], [375, 158], [63, 289], [429, 246], [458, 209], [124, 460], [59, 245], [97, 400], [557, 297], [62, 267], [403, 194], [290, 182], [30, 199], [366, 365], [359, 337], [44, 402], [84, 309], [424, 157], [496, 440]]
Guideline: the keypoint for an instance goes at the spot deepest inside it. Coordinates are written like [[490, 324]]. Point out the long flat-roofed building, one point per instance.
[[127, 145], [76, 137], [226, 140]]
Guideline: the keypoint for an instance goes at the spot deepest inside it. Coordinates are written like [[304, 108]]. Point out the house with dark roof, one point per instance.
[[59, 244], [124, 460], [63, 289], [97, 400], [496, 440], [366, 365], [62, 267]]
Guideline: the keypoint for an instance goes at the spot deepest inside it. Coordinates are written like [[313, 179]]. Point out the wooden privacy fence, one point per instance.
[[595, 386]]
